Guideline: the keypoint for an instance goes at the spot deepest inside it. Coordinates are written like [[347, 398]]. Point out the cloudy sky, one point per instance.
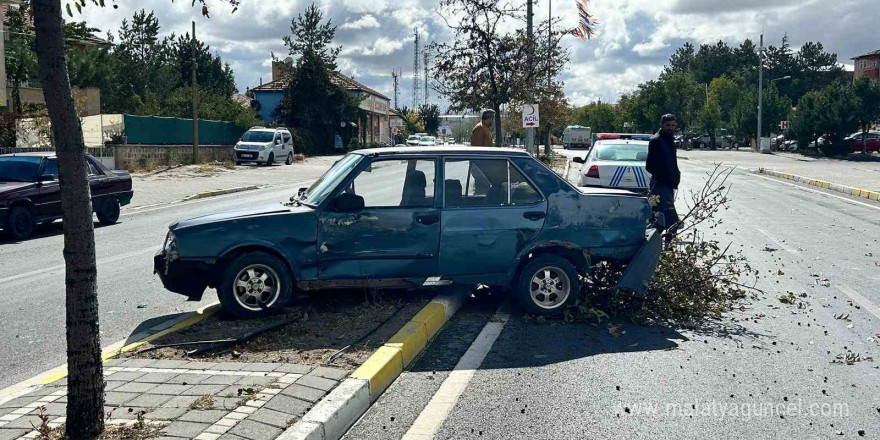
[[635, 37]]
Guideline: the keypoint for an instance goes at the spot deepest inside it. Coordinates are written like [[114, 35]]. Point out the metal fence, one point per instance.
[[155, 130]]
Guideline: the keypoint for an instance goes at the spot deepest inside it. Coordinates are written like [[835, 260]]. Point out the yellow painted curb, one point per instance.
[[874, 195], [433, 316], [380, 369], [858, 192], [410, 340], [107, 353]]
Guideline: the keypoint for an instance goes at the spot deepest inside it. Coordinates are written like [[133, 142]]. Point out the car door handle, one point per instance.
[[534, 215], [428, 219]]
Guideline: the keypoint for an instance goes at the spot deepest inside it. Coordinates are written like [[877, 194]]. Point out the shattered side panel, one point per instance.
[[607, 225]]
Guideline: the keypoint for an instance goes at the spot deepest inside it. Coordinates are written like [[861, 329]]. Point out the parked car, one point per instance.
[[872, 142], [29, 191], [375, 217], [265, 145], [615, 163], [413, 140], [427, 141]]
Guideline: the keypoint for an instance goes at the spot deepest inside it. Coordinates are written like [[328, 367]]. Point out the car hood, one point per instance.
[[9, 188], [252, 144], [256, 211]]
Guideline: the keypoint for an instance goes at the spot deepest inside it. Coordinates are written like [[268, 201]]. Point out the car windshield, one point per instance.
[[325, 185], [258, 136], [427, 139], [19, 168], [622, 152], [413, 138]]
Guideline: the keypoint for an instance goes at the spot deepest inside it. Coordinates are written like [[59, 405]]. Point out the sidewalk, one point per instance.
[[179, 183], [201, 400], [864, 175]]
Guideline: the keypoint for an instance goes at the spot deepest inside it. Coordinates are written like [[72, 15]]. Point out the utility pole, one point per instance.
[[760, 91], [395, 77], [549, 147], [530, 131], [416, 79], [426, 76], [195, 90]]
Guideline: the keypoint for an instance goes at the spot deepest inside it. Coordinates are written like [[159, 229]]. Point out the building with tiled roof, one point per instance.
[[867, 65]]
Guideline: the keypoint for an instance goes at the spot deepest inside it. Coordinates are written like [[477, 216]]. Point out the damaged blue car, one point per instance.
[[404, 218]]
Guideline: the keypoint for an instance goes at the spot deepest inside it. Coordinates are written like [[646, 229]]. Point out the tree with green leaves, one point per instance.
[[429, 114], [85, 381], [838, 119], [725, 91], [21, 58], [212, 74], [709, 119], [599, 116], [868, 110], [312, 102], [805, 120]]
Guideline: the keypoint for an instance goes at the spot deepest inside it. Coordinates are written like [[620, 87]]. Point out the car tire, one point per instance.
[[547, 285], [19, 223], [270, 160], [702, 145], [237, 163], [242, 295], [108, 213], [289, 160]]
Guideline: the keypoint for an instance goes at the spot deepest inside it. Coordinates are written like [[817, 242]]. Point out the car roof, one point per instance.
[[442, 150], [267, 129], [31, 154], [622, 141]]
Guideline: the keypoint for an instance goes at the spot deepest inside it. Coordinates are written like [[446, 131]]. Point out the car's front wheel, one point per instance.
[[547, 285], [254, 285], [19, 223], [108, 213], [270, 160]]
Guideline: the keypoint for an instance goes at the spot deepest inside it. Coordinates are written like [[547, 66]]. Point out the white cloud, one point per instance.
[[367, 21]]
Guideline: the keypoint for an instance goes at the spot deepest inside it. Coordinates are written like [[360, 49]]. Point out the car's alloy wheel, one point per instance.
[[254, 285], [289, 159], [20, 223], [109, 212], [547, 285]]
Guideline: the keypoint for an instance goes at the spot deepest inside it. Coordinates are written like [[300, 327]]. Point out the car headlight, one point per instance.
[[170, 246], [263, 147]]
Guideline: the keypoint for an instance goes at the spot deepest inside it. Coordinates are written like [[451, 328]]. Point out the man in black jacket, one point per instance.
[[662, 163]]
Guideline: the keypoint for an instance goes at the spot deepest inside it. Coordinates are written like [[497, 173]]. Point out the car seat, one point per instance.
[[414, 190], [642, 155], [607, 154], [452, 191]]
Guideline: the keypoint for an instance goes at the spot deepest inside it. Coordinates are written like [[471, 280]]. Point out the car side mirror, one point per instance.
[[578, 159], [300, 192], [48, 178], [347, 202], [277, 141]]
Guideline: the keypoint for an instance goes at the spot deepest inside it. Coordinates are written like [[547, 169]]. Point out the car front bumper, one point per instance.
[[251, 155], [188, 278], [3, 213]]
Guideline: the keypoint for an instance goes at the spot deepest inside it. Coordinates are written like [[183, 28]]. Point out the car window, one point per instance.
[[319, 190], [19, 168], [622, 152], [483, 182], [51, 167], [396, 183], [93, 169], [286, 137], [257, 136], [521, 191]]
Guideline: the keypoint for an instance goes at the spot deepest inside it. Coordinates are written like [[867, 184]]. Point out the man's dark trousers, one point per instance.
[[666, 204]]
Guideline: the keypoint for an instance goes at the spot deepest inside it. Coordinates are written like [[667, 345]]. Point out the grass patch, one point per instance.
[[139, 429], [204, 402]]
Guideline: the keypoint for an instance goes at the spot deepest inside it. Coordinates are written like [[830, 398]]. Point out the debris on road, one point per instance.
[[843, 316], [850, 358]]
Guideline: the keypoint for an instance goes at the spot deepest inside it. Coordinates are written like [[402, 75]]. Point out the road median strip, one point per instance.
[[331, 418], [858, 192], [220, 192]]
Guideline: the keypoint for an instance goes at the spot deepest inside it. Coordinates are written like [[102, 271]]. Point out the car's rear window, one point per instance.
[[622, 152]]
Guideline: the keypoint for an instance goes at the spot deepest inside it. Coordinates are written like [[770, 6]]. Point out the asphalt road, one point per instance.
[[130, 295], [765, 371]]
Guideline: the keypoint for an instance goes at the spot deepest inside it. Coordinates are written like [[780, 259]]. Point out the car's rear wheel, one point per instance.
[[547, 285], [702, 145], [238, 163], [254, 285], [108, 214], [19, 223], [289, 159]]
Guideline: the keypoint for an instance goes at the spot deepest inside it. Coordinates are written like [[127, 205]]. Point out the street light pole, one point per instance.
[[760, 91], [530, 131]]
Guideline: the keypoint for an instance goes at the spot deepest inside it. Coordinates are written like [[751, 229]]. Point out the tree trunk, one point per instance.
[[85, 382], [548, 147], [497, 109]]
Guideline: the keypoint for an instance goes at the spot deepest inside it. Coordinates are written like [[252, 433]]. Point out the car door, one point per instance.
[[397, 232], [287, 140], [491, 211], [98, 182], [48, 202], [278, 146]]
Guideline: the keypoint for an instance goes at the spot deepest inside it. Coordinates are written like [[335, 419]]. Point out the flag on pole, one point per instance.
[[586, 24]]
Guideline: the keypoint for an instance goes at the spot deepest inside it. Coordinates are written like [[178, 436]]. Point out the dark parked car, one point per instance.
[[29, 192], [381, 217], [871, 142]]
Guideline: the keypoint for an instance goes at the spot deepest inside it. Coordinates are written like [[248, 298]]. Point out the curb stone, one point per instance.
[[220, 192], [332, 416], [132, 342], [858, 192]]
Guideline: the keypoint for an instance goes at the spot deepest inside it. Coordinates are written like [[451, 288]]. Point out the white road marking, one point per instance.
[[50, 270], [861, 300], [438, 409], [778, 243], [877, 207]]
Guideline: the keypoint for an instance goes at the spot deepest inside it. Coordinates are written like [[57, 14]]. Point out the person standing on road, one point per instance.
[[481, 136], [662, 163]]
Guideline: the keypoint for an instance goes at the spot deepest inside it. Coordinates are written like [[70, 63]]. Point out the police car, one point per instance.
[[616, 161]]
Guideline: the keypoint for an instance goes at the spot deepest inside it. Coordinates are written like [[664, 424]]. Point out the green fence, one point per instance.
[[155, 130]]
